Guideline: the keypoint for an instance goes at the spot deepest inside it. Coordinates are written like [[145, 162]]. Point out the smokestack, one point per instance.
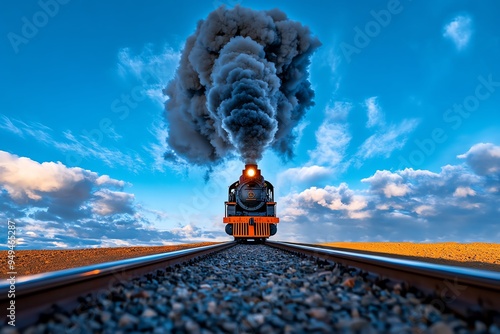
[[241, 86]]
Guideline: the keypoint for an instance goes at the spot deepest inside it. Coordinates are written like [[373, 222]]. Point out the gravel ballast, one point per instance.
[[255, 288]]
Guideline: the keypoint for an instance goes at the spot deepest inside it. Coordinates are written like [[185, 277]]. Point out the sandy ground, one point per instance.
[[29, 262], [475, 255]]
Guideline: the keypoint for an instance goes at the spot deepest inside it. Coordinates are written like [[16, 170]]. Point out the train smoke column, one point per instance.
[[241, 85]]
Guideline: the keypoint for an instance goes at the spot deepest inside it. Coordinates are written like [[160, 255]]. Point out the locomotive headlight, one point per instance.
[[251, 172]]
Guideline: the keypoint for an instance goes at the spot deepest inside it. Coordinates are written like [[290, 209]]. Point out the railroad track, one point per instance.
[[468, 292], [260, 288], [36, 294]]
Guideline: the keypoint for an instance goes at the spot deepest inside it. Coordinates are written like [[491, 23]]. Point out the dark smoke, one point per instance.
[[242, 84]]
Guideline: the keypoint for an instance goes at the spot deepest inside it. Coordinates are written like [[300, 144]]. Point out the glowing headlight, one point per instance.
[[251, 172]]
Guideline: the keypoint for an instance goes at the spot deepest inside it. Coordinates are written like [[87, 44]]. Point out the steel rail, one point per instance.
[[467, 292], [37, 294]]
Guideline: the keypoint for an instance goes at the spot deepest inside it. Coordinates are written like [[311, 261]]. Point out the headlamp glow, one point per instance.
[[251, 172]]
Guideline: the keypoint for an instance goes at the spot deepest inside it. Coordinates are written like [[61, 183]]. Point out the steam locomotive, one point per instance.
[[250, 209]]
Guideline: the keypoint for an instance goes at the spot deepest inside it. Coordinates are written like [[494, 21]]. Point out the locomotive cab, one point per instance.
[[250, 211]]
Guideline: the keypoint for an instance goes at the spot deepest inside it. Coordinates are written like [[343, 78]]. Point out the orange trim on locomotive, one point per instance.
[[260, 227], [245, 219]]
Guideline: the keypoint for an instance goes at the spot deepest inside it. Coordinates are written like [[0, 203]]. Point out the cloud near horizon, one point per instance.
[[59, 206], [434, 206], [484, 159]]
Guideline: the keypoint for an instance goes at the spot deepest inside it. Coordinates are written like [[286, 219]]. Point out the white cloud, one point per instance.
[[375, 115], [25, 178], [387, 140], [339, 198], [333, 61], [453, 204], [187, 231], [64, 191], [110, 202], [464, 192], [484, 159], [298, 131], [493, 189], [399, 215], [60, 244], [152, 69], [34, 130], [382, 177], [339, 111], [332, 136], [106, 180], [395, 190], [332, 141], [304, 174], [459, 30], [159, 147], [419, 174], [383, 207], [82, 147], [425, 210], [62, 207], [387, 183], [8, 125]]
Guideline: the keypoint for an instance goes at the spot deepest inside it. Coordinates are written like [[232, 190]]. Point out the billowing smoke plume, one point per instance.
[[242, 85]]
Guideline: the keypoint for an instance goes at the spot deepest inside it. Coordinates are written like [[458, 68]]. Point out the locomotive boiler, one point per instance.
[[250, 208]]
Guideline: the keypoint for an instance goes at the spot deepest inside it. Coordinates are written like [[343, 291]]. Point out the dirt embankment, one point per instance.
[[474, 255], [30, 262]]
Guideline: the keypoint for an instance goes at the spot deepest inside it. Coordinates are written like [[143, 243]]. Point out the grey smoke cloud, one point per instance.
[[241, 86]]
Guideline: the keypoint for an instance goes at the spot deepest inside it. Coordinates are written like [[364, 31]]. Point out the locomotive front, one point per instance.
[[250, 209]]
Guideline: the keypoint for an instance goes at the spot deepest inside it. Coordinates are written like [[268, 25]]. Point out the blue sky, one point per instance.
[[403, 142]]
